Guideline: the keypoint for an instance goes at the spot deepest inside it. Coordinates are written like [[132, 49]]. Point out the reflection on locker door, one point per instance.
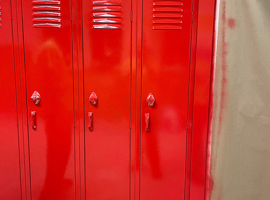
[[165, 74], [48, 64], [9, 151], [107, 70]]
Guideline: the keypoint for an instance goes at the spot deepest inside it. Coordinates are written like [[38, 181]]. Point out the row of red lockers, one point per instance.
[[97, 107]]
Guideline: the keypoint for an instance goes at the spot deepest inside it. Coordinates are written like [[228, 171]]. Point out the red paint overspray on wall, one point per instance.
[[203, 75], [209, 183], [231, 23], [224, 53], [225, 23]]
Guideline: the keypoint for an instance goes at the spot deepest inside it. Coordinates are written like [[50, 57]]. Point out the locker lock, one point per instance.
[[150, 100], [36, 98], [93, 98]]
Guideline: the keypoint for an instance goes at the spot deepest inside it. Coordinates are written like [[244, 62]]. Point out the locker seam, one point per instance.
[[131, 14], [74, 129], [189, 144], [136, 101], [141, 43], [130, 110], [21, 95], [79, 103], [27, 109], [16, 96], [84, 148]]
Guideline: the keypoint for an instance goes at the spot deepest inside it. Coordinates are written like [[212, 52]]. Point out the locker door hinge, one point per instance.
[[131, 15], [192, 17], [130, 123]]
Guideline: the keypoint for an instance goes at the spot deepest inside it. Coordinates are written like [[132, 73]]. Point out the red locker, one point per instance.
[[49, 91], [107, 77], [166, 44], [10, 182]]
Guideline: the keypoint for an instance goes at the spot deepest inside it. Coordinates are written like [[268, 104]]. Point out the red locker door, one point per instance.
[[107, 72], [48, 65], [9, 151], [165, 74]]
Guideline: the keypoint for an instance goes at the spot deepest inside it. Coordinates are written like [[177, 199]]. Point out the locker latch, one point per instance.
[[36, 98], [150, 100], [93, 98]]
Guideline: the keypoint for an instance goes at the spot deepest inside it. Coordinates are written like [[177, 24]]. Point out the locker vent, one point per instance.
[[107, 14], [167, 15], [0, 15], [46, 14]]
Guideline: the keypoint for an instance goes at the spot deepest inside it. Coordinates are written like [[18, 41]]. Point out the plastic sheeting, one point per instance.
[[240, 161]]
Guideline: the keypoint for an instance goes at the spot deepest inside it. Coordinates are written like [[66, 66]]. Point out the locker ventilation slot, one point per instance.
[[167, 15], [0, 15], [46, 14], [107, 14]]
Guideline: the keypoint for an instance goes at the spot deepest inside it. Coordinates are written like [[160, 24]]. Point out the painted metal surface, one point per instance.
[[107, 71], [131, 79], [48, 70], [46, 14], [202, 99], [165, 73], [10, 182], [107, 14], [0, 16], [167, 15]]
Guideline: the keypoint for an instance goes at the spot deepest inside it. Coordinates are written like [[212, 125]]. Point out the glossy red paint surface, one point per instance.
[[124, 101], [165, 74], [9, 150], [48, 70], [107, 72], [202, 99]]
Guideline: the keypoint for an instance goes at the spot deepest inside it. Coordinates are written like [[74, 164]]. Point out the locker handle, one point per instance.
[[90, 121], [34, 120], [147, 121]]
